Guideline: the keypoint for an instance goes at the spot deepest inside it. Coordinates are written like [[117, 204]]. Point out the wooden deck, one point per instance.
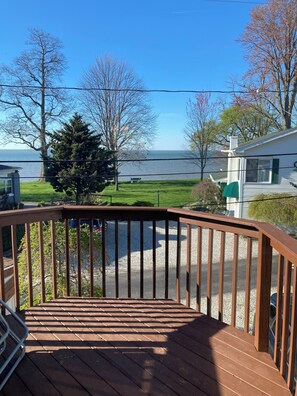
[[134, 347]]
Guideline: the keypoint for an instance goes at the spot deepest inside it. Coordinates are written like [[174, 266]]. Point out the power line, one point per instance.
[[223, 171], [235, 2], [261, 200], [193, 158], [143, 90]]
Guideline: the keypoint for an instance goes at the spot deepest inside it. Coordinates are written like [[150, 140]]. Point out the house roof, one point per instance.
[[264, 139], [218, 176], [9, 168]]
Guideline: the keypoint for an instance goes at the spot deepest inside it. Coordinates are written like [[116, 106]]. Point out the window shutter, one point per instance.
[[275, 169]]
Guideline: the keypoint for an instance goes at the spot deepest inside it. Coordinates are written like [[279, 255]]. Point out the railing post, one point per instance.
[[177, 279], [263, 293], [2, 280]]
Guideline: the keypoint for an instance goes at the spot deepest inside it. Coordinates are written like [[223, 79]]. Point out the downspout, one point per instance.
[[240, 186], [232, 147]]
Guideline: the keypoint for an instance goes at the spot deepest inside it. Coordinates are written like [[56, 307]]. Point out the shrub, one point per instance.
[[142, 203], [278, 209], [208, 195], [6, 236], [60, 251]]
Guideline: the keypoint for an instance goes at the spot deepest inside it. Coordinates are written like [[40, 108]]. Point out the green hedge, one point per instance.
[[278, 209], [6, 236]]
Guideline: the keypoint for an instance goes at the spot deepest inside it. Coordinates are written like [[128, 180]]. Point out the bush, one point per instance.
[[142, 203], [60, 256], [208, 195], [6, 236], [6, 231], [277, 209]]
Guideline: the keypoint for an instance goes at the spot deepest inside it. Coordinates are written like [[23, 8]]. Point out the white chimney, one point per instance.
[[233, 142]]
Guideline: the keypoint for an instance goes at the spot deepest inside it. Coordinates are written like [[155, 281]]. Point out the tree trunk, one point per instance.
[[116, 174], [116, 183], [78, 192], [43, 145], [43, 168]]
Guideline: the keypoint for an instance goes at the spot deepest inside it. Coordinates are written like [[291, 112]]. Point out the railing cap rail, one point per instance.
[[214, 217], [21, 216]]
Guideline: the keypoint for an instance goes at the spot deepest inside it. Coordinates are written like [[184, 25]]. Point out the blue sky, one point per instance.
[[170, 44]]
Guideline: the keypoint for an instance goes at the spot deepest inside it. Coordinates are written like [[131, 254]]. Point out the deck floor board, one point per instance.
[[80, 346]]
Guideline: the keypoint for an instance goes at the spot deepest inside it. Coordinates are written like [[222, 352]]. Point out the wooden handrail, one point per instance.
[[13, 217]]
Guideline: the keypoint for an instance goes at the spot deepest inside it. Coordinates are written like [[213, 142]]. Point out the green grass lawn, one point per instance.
[[39, 192], [171, 192]]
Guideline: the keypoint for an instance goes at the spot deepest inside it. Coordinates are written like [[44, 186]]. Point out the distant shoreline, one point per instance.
[[172, 165]]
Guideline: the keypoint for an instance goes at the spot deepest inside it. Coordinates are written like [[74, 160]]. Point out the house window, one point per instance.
[[5, 186], [2, 186], [258, 170], [8, 186]]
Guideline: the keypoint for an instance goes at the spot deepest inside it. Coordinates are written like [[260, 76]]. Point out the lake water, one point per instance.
[[162, 165]]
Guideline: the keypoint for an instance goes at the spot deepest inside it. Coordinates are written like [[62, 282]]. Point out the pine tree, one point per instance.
[[78, 164]]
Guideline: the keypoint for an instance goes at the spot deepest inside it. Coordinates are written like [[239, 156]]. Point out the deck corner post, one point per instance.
[[263, 293]]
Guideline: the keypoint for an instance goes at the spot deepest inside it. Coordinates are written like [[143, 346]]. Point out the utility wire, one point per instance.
[[260, 200], [235, 2], [144, 90], [223, 171], [154, 159]]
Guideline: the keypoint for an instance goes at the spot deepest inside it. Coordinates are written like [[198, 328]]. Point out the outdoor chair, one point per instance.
[[12, 345]]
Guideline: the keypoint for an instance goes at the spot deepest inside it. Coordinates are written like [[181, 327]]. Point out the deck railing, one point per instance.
[[225, 267]]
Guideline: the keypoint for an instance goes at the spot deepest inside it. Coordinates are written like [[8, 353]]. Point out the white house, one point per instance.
[[262, 166], [9, 185]]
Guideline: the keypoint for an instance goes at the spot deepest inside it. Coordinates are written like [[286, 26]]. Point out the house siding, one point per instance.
[[287, 172]]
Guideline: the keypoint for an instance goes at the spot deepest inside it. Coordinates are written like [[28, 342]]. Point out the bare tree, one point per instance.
[[270, 41], [201, 128], [28, 93], [118, 105]]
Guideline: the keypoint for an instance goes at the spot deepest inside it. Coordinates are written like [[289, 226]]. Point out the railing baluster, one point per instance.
[[154, 259], [141, 259], [221, 276], [199, 266], [41, 261], [293, 335], [188, 265], [279, 301], [91, 254], [285, 324], [103, 236], [2, 280], [67, 257], [14, 246], [78, 237], [234, 281], [54, 263], [177, 282], [166, 258], [116, 242], [129, 258], [29, 264], [209, 271], [248, 285]]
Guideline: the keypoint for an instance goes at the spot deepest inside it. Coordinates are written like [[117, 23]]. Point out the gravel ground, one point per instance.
[[160, 260]]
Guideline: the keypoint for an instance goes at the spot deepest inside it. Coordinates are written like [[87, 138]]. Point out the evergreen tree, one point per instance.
[[78, 164]]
